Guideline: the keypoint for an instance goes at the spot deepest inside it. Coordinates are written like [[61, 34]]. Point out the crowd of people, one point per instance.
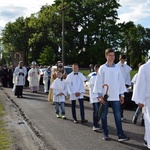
[[58, 85]]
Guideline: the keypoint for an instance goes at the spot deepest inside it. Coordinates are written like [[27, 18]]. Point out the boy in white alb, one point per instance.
[[75, 83], [94, 99], [59, 92], [110, 74]]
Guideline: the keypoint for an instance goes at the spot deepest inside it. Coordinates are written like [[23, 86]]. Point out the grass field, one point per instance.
[[4, 136], [86, 72]]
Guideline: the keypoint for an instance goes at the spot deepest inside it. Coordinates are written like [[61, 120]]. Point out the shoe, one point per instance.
[[96, 128], [142, 122], [134, 120], [122, 138], [106, 137], [145, 143], [84, 121], [75, 121], [57, 116], [123, 119], [63, 117]]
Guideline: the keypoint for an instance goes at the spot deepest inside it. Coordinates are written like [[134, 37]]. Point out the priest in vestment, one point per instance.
[[141, 95], [33, 78], [20, 73]]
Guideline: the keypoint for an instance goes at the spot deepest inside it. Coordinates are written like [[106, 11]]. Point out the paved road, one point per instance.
[[65, 135]]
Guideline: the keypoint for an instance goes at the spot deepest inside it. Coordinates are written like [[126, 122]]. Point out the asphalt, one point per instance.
[[62, 134]]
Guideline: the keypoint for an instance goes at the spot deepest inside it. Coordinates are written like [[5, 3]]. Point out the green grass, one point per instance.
[[5, 140]]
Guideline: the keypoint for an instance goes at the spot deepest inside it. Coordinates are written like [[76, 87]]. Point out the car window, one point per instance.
[[68, 70]]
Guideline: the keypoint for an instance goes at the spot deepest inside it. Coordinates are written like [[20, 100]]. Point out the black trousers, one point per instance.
[[18, 90]]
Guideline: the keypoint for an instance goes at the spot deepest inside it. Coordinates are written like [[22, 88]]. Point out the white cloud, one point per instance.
[[135, 11], [10, 10]]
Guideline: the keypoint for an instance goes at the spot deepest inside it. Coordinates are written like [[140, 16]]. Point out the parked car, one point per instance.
[[128, 104], [68, 69]]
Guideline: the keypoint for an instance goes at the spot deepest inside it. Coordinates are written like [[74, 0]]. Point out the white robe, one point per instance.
[[141, 95], [19, 79], [59, 86], [46, 78], [113, 78], [75, 83], [125, 70], [93, 96], [33, 77]]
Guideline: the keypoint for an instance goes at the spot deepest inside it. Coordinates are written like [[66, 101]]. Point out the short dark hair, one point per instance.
[[108, 50], [96, 67], [123, 56], [75, 64]]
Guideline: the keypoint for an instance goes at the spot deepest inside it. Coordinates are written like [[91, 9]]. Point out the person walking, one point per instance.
[[59, 87], [94, 99], [125, 70], [33, 78], [141, 95], [110, 74], [46, 79], [19, 79], [139, 109], [75, 81]]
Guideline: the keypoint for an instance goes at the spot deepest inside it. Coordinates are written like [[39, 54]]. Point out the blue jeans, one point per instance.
[[117, 116], [81, 103], [62, 106], [95, 114]]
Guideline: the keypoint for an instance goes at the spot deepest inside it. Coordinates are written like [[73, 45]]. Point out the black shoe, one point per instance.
[[134, 120], [84, 121], [106, 137], [142, 122], [145, 143], [75, 121], [122, 138]]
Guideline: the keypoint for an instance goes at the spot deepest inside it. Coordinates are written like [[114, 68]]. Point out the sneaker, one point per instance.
[[84, 121], [96, 128], [57, 116], [106, 137], [63, 117], [75, 121], [123, 138]]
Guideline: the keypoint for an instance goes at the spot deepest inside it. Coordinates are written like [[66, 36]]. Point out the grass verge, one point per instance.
[[86, 72], [5, 140]]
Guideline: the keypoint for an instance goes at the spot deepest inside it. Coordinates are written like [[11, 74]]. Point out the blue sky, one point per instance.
[[137, 11]]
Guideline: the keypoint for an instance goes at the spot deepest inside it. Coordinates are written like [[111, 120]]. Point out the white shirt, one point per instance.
[[113, 78], [75, 83]]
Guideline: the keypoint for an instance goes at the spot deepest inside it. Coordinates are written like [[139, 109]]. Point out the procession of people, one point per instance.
[[58, 85]]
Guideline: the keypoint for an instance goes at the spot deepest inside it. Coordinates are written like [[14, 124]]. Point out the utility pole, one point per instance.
[[63, 28]]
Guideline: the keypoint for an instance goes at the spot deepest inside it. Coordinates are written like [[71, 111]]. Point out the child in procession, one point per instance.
[[59, 93]]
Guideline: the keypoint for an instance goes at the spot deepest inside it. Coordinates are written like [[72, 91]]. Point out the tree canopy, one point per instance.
[[90, 28]]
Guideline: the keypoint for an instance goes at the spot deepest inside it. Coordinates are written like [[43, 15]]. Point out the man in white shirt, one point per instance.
[[125, 70], [75, 81], [110, 74]]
